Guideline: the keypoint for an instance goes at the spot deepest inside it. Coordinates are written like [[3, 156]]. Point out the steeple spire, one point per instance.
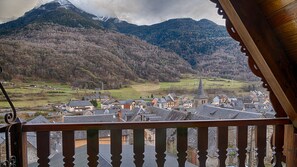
[[201, 94], [200, 98]]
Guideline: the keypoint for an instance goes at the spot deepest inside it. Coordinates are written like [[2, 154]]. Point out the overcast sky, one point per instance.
[[134, 11]]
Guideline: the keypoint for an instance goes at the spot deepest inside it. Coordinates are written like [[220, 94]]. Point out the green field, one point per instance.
[[185, 86], [39, 94]]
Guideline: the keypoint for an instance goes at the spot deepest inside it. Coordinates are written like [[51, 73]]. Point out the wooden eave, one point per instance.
[[261, 27]]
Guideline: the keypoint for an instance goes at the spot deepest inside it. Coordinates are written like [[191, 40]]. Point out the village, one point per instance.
[[167, 108], [107, 83], [256, 103]]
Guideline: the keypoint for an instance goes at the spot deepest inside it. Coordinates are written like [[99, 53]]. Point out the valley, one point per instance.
[[69, 55], [41, 95]]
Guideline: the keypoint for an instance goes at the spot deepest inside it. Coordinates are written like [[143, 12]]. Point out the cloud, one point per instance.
[[151, 11], [134, 11], [12, 9]]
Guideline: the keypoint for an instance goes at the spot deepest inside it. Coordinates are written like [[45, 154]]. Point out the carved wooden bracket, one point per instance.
[[254, 68]]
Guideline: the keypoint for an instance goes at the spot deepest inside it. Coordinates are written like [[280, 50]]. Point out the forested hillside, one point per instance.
[[60, 42], [85, 57], [203, 44]]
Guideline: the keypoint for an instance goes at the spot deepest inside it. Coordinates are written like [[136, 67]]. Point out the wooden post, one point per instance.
[[290, 146], [19, 145], [294, 153], [160, 146]]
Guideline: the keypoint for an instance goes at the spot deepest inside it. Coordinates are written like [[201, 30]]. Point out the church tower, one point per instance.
[[200, 98]]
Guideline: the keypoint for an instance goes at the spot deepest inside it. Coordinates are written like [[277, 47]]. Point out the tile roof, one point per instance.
[[31, 136], [38, 119], [167, 115], [158, 114], [213, 112], [79, 103], [90, 118]]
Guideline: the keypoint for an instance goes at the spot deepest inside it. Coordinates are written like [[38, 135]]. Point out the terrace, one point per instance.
[[257, 25], [281, 129]]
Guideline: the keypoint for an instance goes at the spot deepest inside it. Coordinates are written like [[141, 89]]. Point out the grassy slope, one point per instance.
[[187, 86], [24, 96]]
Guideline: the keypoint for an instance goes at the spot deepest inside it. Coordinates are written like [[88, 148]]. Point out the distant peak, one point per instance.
[[206, 21], [180, 19], [63, 2], [103, 18], [60, 3]]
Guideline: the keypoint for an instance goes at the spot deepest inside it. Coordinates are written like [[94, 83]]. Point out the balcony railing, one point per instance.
[[245, 131]]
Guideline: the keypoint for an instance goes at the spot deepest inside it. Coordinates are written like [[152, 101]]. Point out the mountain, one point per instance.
[[186, 43], [59, 42], [60, 12], [205, 45]]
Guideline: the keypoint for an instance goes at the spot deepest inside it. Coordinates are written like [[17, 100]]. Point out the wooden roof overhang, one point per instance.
[[267, 32]]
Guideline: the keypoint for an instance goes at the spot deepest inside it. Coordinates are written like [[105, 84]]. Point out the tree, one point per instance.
[[94, 102]]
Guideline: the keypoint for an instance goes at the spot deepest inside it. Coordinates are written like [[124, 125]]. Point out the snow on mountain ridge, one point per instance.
[[63, 2]]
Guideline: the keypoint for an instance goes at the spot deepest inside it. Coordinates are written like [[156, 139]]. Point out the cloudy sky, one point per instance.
[[134, 11]]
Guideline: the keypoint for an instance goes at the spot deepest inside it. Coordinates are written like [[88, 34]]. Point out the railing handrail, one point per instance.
[[154, 124]]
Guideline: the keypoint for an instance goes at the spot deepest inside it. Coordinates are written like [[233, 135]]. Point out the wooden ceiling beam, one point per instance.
[[266, 51]]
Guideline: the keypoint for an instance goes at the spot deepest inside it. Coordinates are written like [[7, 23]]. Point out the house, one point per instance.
[[110, 104], [141, 103], [220, 99], [157, 114], [81, 136], [214, 112], [127, 104], [185, 102], [172, 100], [162, 103], [216, 101], [77, 106], [122, 113], [237, 104], [155, 101]]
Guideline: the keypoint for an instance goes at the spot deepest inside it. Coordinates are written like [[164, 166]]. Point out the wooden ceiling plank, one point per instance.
[[266, 51], [284, 15], [287, 29], [271, 6]]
